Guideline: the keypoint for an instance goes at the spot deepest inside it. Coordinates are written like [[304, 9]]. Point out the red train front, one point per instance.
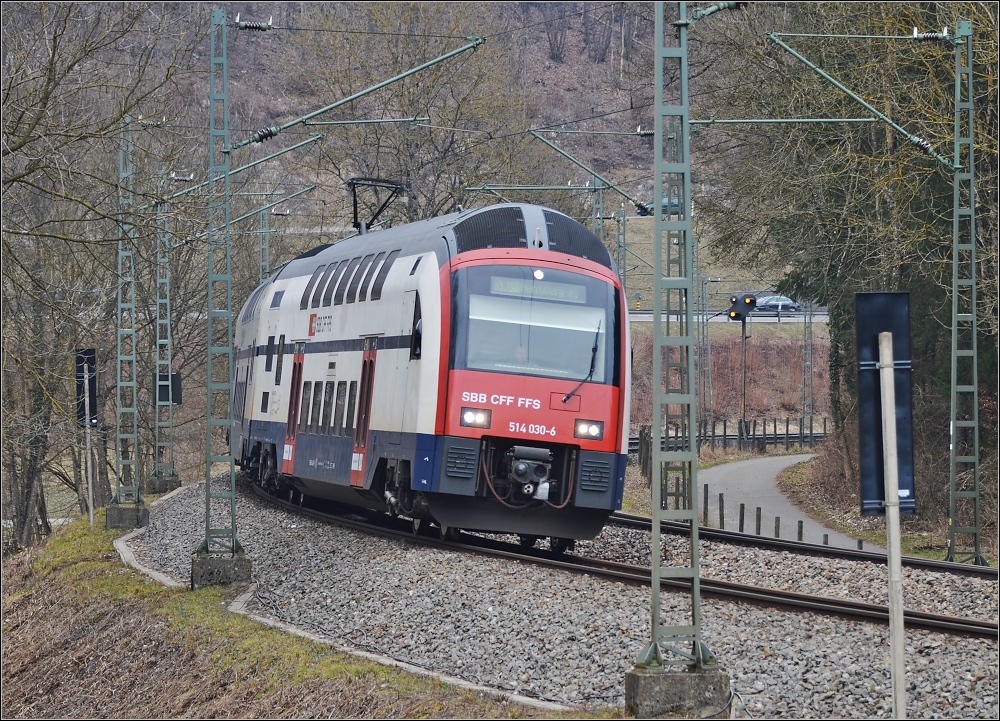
[[535, 423]]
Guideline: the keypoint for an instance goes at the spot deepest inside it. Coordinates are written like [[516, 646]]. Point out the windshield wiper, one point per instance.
[[593, 362]]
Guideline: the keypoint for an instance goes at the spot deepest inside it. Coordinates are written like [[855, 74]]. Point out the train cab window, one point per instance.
[[332, 285], [352, 291], [264, 398], [366, 283], [281, 358], [382, 273], [318, 293], [304, 302], [327, 407], [316, 408], [305, 406], [338, 416], [352, 396], [276, 299], [338, 299], [535, 321], [269, 360]]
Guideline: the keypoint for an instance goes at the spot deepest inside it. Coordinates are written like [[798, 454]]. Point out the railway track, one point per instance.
[[841, 608], [779, 544]]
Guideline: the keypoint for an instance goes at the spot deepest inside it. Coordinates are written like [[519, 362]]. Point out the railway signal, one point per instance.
[[742, 306]]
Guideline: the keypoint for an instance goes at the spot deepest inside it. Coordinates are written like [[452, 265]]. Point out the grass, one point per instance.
[[72, 610]]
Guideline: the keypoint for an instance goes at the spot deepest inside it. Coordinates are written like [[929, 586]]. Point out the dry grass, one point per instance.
[[85, 636]]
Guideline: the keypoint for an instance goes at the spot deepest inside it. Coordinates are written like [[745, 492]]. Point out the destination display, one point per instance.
[[538, 289]]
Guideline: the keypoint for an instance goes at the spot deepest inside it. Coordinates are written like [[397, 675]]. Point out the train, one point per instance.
[[469, 371]]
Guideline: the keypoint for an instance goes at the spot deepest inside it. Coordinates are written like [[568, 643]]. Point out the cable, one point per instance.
[[732, 694]]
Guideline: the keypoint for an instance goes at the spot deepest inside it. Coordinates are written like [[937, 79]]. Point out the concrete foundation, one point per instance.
[[219, 570], [653, 693], [163, 484], [127, 517]]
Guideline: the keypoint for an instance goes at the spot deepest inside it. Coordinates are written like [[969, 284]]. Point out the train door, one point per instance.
[[403, 378], [364, 413], [294, 399]]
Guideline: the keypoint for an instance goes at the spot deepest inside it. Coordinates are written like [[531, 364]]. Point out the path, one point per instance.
[[754, 483]]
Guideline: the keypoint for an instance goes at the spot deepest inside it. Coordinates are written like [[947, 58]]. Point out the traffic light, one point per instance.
[[742, 306]]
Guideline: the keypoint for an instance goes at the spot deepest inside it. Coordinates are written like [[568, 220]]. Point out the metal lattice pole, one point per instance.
[[163, 460], [963, 480], [807, 366], [220, 527], [673, 644], [265, 245], [126, 416], [620, 250]]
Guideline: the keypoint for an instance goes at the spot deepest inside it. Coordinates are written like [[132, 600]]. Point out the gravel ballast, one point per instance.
[[570, 639]]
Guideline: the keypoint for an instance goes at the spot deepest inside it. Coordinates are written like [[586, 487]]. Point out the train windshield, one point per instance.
[[534, 321]]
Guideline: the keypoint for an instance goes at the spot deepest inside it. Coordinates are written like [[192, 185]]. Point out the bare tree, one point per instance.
[[72, 75]]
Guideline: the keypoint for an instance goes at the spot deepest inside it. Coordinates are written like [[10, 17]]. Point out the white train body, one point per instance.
[[470, 370]]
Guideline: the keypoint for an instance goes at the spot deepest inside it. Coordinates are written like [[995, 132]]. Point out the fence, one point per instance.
[[748, 435]]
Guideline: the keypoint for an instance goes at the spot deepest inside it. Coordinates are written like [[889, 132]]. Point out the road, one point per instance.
[[754, 483]]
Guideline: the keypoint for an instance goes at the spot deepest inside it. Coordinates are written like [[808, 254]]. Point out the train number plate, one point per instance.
[[534, 429]]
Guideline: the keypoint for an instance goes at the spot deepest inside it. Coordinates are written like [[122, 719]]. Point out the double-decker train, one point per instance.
[[469, 371]]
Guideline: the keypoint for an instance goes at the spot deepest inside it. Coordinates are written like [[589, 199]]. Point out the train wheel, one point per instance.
[[268, 472], [448, 533], [559, 546], [418, 525], [527, 541]]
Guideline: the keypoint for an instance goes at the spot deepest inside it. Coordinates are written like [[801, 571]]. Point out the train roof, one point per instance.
[[504, 225]]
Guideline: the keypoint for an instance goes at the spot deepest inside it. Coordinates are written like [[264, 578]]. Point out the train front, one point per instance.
[[535, 424]]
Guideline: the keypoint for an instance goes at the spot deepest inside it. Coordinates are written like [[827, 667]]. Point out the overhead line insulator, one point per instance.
[[943, 35]]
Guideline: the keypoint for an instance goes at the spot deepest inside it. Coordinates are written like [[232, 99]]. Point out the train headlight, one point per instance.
[[592, 430], [476, 417]]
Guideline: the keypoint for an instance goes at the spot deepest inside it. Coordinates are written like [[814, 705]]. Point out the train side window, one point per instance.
[[269, 362], [318, 293], [417, 335], [382, 273], [338, 417], [332, 285], [281, 358], [316, 408], [304, 302], [264, 398], [327, 407], [276, 299], [366, 283], [338, 299], [352, 396], [305, 406], [352, 292]]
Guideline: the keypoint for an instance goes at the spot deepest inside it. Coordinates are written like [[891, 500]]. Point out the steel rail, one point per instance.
[[842, 608], [813, 549]]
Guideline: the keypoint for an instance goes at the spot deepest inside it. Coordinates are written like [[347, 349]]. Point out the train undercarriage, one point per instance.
[[519, 490]]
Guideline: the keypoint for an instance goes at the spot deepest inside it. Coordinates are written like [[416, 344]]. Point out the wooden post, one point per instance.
[[758, 520], [722, 512], [743, 509]]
